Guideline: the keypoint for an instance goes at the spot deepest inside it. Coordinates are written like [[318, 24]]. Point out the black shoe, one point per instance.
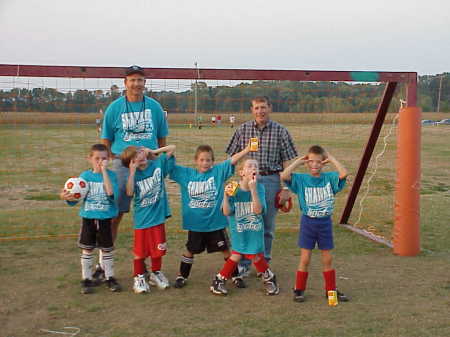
[[99, 275], [87, 286], [180, 282], [112, 285], [270, 283], [218, 286], [239, 282], [340, 296], [299, 295]]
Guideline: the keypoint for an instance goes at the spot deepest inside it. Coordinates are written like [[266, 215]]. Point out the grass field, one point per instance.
[[39, 263]]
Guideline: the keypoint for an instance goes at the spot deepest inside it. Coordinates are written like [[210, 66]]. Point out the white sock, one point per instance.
[[86, 265], [100, 258], [108, 264]]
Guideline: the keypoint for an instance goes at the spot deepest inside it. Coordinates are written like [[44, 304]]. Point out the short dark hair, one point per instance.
[[204, 148], [99, 147], [317, 149], [262, 99], [134, 69]]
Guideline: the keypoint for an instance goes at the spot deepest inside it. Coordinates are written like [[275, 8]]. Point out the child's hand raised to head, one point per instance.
[[133, 166], [252, 182], [328, 158], [103, 165]]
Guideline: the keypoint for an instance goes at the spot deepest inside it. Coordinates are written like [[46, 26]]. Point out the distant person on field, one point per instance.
[[276, 148], [151, 208], [201, 206], [213, 120], [232, 121], [97, 211], [315, 191], [219, 120], [132, 119]]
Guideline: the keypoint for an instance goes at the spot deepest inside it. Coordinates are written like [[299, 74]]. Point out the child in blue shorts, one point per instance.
[[315, 193]]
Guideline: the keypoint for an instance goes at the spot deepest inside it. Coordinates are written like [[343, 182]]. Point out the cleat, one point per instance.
[[218, 286], [299, 295], [86, 286], [113, 285], [159, 280], [99, 275], [270, 283], [239, 282], [140, 285], [180, 282]]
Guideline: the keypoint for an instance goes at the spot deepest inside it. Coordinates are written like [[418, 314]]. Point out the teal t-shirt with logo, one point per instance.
[[246, 227], [316, 194], [202, 196], [97, 204], [134, 123], [150, 198]]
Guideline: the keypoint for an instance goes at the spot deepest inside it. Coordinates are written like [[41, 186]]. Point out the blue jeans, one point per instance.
[[272, 186]]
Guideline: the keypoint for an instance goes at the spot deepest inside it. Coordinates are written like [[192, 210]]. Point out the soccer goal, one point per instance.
[[369, 120]]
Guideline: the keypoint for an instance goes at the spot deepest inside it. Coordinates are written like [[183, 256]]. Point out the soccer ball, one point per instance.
[[76, 186]]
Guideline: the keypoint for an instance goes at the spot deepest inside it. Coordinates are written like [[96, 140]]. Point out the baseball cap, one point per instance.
[[134, 69]]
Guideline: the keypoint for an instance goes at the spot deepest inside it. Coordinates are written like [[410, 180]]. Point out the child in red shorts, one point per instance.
[[146, 183]]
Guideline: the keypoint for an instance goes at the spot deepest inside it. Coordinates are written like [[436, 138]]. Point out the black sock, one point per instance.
[[186, 265]]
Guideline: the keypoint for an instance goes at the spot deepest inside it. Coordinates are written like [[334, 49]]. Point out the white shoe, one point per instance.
[[140, 285], [159, 280]]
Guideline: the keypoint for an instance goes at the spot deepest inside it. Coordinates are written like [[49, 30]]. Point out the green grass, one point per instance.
[[391, 296]]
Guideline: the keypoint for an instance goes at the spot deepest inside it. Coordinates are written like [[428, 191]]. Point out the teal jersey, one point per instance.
[[202, 196], [97, 204], [134, 123], [316, 194], [151, 206], [246, 227]]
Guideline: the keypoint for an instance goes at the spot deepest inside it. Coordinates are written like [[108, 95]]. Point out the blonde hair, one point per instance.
[[129, 154]]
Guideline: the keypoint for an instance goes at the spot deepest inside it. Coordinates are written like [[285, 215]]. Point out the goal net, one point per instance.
[[51, 115]]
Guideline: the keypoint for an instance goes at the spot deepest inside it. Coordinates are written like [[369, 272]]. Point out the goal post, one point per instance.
[[406, 232]]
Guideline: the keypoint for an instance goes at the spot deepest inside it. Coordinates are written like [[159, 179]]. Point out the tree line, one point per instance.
[[286, 96]]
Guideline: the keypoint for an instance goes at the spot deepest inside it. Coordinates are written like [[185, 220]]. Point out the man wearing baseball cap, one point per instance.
[[132, 119]]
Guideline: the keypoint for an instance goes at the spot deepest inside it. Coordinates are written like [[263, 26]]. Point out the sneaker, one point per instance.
[[113, 285], [244, 270], [159, 280], [340, 296], [299, 295], [99, 275], [86, 286], [180, 282], [140, 285], [218, 286], [270, 283], [239, 282]]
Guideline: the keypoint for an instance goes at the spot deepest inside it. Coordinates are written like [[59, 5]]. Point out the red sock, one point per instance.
[[228, 269], [156, 263], [139, 267], [330, 279], [300, 281], [260, 264]]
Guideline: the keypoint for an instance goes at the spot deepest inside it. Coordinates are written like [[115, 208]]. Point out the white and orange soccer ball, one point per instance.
[[77, 186]]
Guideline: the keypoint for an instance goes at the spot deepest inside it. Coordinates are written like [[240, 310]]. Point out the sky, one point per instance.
[[395, 35]]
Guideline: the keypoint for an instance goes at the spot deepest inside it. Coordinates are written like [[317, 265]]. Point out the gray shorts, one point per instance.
[[123, 201]]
